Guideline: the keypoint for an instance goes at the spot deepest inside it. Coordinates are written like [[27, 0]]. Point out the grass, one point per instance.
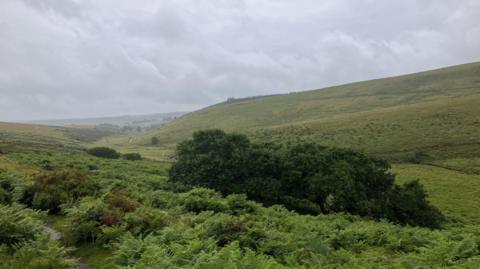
[[126, 144], [466, 165], [391, 117], [32, 129], [444, 128], [95, 256], [454, 193]]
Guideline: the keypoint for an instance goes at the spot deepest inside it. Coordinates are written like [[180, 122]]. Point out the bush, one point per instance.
[[121, 201], [146, 220], [201, 199], [132, 156], [104, 152], [85, 220], [50, 190], [6, 190], [18, 225], [41, 253]]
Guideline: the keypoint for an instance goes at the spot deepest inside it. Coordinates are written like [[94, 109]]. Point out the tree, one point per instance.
[[305, 177], [104, 152], [408, 204], [155, 140]]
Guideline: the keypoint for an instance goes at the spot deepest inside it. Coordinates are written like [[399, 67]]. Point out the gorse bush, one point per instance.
[[104, 152], [305, 177]]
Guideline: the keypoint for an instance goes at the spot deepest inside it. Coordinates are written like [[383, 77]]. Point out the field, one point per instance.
[[455, 193]]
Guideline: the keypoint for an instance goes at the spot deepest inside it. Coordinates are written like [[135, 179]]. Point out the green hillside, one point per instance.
[[16, 136], [435, 112]]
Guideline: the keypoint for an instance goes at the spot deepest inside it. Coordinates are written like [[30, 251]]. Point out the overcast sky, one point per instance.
[[88, 58]]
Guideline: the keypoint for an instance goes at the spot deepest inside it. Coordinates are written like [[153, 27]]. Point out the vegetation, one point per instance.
[[308, 178], [104, 152], [23, 244], [51, 190], [454, 193], [132, 156], [137, 217]]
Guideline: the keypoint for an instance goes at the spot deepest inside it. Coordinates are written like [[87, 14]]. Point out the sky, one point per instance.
[[91, 58]]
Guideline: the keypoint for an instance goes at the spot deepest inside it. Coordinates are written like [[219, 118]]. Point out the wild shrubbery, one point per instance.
[[104, 152], [50, 190], [18, 225], [23, 244], [306, 177], [132, 156], [97, 218], [149, 222]]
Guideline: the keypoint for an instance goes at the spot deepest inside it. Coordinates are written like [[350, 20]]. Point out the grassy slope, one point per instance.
[[426, 110], [14, 136], [17, 136], [454, 193]]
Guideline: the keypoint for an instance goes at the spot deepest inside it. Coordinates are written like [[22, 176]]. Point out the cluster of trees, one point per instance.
[[305, 177], [109, 153]]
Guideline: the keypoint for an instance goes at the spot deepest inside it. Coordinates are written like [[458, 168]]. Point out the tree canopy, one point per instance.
[[305, 177]]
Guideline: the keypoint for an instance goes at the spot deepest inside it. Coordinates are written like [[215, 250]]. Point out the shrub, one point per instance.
[[85, 220], [6, 190], [201, 199], [110, 217], [41, 253], [132, 156], [104, 152], [146, 220], [18, 225], [123, 202], [50, 190]]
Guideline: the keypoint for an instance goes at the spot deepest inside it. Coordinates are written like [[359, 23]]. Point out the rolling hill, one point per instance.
[[127, 120], [14, 136], [436, 113], [19, 135]]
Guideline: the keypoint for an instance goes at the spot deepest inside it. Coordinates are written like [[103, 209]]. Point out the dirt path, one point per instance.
[[56, 235]]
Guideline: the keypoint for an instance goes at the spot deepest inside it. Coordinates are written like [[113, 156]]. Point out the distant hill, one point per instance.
[[15, 136], [21, 135], [434, 113], [127, 120]]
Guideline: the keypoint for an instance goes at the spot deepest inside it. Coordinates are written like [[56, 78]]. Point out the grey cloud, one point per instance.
[[72, 58]]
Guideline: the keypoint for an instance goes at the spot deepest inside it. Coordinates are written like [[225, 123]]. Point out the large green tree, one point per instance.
[[305, 177]]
